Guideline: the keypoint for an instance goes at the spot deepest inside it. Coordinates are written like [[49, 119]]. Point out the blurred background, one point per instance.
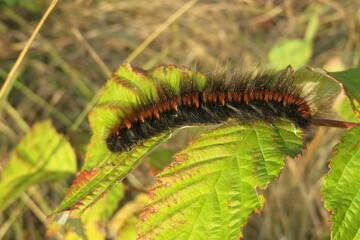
[[83, 41]]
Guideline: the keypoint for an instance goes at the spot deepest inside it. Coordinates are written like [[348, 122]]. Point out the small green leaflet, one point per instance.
[[42, 155], [209, 191]]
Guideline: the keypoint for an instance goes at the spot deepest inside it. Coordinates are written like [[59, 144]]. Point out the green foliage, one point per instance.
[[209, 191], [345, 111], [342, 184], [350, 79], [296, 52], [42, 155], [91, 185]]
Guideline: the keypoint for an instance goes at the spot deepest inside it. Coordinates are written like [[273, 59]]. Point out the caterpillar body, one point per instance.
[[194, 99]]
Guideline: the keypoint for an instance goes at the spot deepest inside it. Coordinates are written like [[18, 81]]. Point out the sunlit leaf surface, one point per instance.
[[209, 190], [42, 155], [341, 189]]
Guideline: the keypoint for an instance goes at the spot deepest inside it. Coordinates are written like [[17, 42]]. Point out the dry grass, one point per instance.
[[83, 41]]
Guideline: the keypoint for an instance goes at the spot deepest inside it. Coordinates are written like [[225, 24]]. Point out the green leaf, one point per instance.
[[209, 191], [350, 80], [92, 184], [42, 155], [345, 111], [126, 88], [341, 188], [296, 52]]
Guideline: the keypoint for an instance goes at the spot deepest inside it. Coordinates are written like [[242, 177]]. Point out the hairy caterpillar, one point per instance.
[[250, 96]]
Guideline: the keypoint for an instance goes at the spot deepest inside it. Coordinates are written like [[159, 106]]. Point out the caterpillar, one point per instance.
[[249, 96]]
